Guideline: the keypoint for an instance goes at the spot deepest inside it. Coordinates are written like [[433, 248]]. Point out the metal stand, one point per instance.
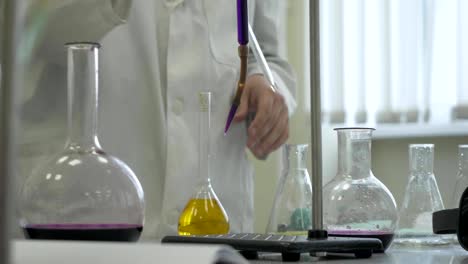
[[318, 232], [7, 120]]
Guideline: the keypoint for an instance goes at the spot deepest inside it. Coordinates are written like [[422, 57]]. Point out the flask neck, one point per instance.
[[294, 157], [354, 153], [421, 159], [82, 96], [204, 147]]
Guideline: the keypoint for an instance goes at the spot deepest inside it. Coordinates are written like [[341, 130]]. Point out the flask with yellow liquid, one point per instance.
[[204, 214]]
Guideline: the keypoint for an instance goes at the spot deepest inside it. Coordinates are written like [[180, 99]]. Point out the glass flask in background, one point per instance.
[[422, 198], [204, 213], [461, 183], [82, 193], [292, 207], [462, 175], [355, 202]]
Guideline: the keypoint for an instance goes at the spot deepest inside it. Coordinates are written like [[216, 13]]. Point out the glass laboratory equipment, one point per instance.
[[204, 213], [462, 175], [355, 202], [292, 207], [422, 198], [461, 183], [82, 193]]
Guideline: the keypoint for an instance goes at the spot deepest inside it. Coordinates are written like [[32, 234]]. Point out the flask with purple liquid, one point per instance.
[[355, 202], [82, 193]]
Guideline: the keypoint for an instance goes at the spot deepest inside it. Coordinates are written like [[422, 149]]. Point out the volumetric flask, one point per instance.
[[204, 213], [355, 202], [292, 207], [422, 198], [82, 193]]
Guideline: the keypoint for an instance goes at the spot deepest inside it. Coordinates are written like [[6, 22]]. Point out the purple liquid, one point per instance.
[[385, 237], [89, 232]]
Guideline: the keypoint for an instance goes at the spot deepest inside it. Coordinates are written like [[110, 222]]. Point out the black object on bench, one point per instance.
[[291, 247]]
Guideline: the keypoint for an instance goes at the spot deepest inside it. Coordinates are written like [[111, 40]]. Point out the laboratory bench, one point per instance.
[[59, 252], [440, 255]]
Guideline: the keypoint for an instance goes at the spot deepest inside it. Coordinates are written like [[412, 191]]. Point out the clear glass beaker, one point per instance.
[[422, 198], [82, 193], [355, 202], [204, 213], [292, 208], [462, 175]]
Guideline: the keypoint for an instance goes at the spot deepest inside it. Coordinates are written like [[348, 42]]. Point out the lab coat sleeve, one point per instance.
[[265, 26], [75, 20], [49, 24]]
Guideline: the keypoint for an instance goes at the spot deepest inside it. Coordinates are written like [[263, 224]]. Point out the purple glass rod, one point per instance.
[[242, 22], [231, 115]]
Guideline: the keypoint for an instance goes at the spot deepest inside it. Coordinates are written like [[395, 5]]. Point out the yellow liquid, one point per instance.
[[203, 217]]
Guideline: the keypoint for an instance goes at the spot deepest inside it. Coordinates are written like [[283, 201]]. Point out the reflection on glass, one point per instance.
[[62, 199]]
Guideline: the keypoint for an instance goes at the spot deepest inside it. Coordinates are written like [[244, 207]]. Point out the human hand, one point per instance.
[[269, 129]]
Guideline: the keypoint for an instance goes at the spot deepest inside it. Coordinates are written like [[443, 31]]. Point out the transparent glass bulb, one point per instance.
[[292, 208], [204, 213], [82, 193], [355, 202], [422, 198]]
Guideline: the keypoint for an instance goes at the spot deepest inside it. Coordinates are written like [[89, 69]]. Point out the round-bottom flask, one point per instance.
[[356, 203], [204, 213], [292, 208], [82, 193]]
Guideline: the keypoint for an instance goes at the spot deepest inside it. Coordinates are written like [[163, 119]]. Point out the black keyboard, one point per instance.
[[249, 244]]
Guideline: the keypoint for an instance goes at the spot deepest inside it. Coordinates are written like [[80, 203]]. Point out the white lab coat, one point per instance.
[[146, 119]]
